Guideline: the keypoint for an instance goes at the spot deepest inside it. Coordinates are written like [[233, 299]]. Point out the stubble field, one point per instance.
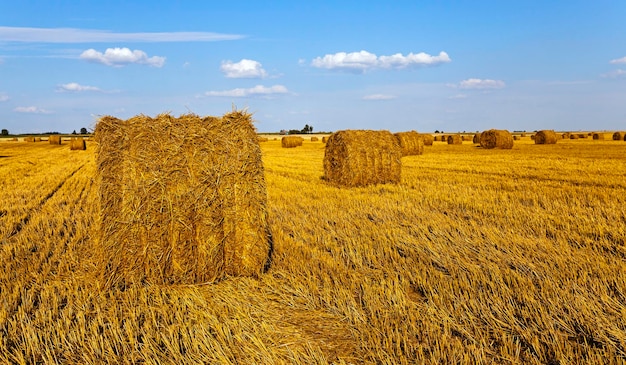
[[477, 256]]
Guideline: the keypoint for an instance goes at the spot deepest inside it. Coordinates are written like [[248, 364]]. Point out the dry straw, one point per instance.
[[29, 139], [291, 141], [182, 200], [362, 157], [411, 143], [324, 139], [37, 139], [54, 139], [546, 136], [619, 136], [428, 139], [573, 136], [565, 135], [78, 144], [598, 136], [496, 138], [314, 139], [455, 139], [476, 138]]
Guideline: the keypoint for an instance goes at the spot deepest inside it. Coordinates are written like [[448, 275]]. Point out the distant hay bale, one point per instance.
[[14, 139], [516, 138], [466, 138], [565, 135], [532, 136], [476, 138], [29, 139], [362, 157], [546, 136], [573, 136], [455, 139], [291, 141], [598, 136], [37, 139], [428, 139], [262, 139], [619, 136], [582, 135], [324, 139], [314, 139], [182, 200], [523, 135], [496, 138], [411, 143], [78, 144], [54, 139]]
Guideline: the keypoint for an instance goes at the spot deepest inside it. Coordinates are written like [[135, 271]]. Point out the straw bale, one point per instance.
[[598, 136], [411, 143], [183, 200], [516, 138], [532, 136], [362, 157], [291, 141], [263, 139], [324, 139], [546, 136], [466, 138], [455, 139], [476, 138], [428, 139], [78, 144], [314, 139], [523, 135], [29, 139], [565, 135], [573, 136], [496, 138], [619, 136], [37, 139], [582, 135], [54, 139]]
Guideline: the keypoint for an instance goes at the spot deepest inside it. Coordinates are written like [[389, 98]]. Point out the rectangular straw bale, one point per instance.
[[183, 200], [291, 141], [362, 157], [411, 143], [54, 139], [496, 138]]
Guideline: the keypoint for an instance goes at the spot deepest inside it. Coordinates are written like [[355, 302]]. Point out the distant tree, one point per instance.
[[5, 132], [74, 132], [307, 129], [436, 131], [83, 130], [294, 131]]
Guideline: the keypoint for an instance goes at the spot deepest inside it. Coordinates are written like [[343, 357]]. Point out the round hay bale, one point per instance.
[[496, 138], [183, 200], [523, 135], [54, 139], [532, 136], [455, 139], [411, 143], [324, 139], [78, 144], [37, 139], [598, 136], [565, 135], [573, 136], [291, 141], [582, 135], [362, 157], [516, 138], [546, 136], [263, 139], [619, 136], [428, 139], [29, 139], [476, 138], [14, 139], [314, 139]]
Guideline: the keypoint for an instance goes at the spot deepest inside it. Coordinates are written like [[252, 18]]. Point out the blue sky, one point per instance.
[[395, 65]]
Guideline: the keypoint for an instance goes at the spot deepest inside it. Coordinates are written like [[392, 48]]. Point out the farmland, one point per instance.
[[476, 256]]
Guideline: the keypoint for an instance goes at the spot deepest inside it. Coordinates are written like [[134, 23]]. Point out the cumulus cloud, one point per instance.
[[119, 57], [4, 97], [363, 61], [76, 87], [481, 84], [379, 97], [72, 35], [618, 61], [31, 109], [243, 69], [258, 90]]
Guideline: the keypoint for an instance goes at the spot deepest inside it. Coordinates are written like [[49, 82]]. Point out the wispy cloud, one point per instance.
[[243, 69], [119, 57], [258, 90], [480, 84], [614, 74], [31, 110], [379, 97], [76, 87], [4, 97], [618, 61], [73, 35], [363, 61]]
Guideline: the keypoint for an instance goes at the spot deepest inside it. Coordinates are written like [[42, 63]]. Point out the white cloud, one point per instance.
[[243, 69], [363, 61], [258, 90], [481, 84], [75, 87], [118, 57], [614, 74], [458, 96], [72, 35], [618, 60], [4, 97], [31, 109], [379, 97]]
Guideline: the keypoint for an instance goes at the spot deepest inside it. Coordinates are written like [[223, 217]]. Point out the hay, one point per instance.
[[314, 139], [291, 141], [516, 138], [428, 139], [546, 136], [619, 136], [263, 139], [582, 135], [362, 157], [183, 200], [324, 139], [565, 135], [37, 139], [476, 138], [411, 143], [29, 139], [496, 138], [78, 144], [55, 139], [573, 136], [466, 138], [455, 139], [598, 136]]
